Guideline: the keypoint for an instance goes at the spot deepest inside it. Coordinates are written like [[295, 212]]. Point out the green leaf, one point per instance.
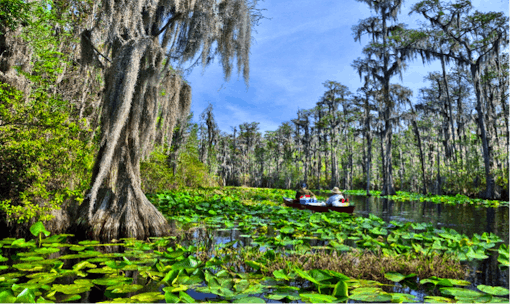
[[317, 298], [280, 275], [341, 289], [460, 292], [287, 230], [82, 265], [190, 262], [249, 300], [171, 276], [185, 298], [70, 298], [6, 296], [148, 297], [71, 289], [37, 228], [254, 265], [402, 298], [26, 296], [394, 276], [372, 298], [28, 267], [456, 282], [171, 298], [125, 288], [434, 299], [495, 291], [305, 276], [43, 300], [112, 280]]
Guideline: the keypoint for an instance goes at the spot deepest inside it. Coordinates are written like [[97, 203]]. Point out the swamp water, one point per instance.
[[465, 219], [161, 270]]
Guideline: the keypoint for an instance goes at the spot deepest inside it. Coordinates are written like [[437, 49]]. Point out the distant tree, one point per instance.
[[305, 141], [365, 101], [141, 38], [210, 137], [472, 40], [335, 94], [388, 62]]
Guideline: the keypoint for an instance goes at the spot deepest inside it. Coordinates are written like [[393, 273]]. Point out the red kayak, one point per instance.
[[297, 205]]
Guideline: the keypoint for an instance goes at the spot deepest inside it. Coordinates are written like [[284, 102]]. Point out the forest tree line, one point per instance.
[[451, 137]]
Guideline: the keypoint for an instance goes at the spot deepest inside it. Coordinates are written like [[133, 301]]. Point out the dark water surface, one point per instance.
[[465, 219]]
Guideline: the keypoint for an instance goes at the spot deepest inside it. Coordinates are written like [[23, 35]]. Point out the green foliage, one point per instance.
[[46, 154], [202, 267], [190, 171], [13, 13], [158, 174], [42, 155]]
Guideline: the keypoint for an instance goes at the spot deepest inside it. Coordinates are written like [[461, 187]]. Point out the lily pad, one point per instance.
[[287, 230], [460, 292], [70, 298], [37, 228], [46, 250], [6, 296], [318, 298], [112, 281], [31, 258], [105, 270], [28, 267], [372, 298], [26, 296], [249, 300], [125, 288], [402, 298], [88, 242], [370, 294], [148, 297], [77, 248], [496, 291], [397, 277], [83, 282], [434, 299], [71, 289]]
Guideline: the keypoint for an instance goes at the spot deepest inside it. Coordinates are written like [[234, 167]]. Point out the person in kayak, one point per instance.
[[336, 199], [303, 191]]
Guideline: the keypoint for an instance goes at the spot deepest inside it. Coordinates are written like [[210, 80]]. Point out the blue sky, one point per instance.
[[303, 44]]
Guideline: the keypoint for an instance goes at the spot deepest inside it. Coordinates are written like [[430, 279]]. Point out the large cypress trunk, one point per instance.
[[116, 206]]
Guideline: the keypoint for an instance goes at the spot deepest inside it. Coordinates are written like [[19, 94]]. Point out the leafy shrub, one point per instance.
[[159, 175], [43, 157]]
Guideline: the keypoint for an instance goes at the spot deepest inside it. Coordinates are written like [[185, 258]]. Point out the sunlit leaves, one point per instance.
[[496, 291]]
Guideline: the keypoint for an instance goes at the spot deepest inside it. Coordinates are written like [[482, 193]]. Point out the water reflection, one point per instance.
[[465, 219]]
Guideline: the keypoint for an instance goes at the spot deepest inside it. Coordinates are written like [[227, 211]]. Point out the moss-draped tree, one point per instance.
[[471, 40], [137, 40], [383, 61]]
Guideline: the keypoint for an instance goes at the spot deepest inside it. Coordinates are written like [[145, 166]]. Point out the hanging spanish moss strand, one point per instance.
[[145, 98]]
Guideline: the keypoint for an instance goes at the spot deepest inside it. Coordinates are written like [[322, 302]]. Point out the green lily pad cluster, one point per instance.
[[339, 231], [50, 269]]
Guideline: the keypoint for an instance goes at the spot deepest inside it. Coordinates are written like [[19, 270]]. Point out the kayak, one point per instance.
[[295, 204]]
